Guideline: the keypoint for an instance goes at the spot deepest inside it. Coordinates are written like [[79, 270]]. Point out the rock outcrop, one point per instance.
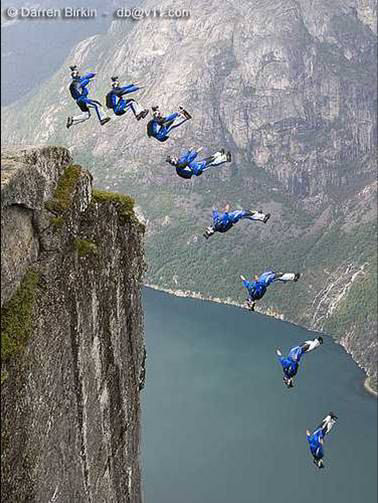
[[72, 334]]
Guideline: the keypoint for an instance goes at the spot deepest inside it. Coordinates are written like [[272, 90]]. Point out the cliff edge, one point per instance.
[[72, 333]]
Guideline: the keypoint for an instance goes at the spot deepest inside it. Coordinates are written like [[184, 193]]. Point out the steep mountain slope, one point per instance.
[[72, 351], [290, 88]]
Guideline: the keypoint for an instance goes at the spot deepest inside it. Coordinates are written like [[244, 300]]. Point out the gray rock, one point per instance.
[[28, 178], [70, 406]]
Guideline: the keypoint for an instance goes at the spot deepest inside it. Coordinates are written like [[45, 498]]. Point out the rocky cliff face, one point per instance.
[[290, 87], [72, 334]]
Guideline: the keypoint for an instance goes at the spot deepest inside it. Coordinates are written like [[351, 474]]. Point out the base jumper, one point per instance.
[[290, 364], [224, 221], [79, 92], [258, 286], [316, 439], [187, 164], [115, 100], [160, 127]]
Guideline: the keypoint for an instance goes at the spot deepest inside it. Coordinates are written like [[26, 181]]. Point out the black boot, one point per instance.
[[142, 115], [104, 121], [185, 113], [251, 304], [288, 382], [208, 232]]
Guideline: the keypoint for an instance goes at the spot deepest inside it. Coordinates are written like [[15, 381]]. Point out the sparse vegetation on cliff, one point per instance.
[[64, 190], [57, 222], [85, 247], [16, 317], [4, 376], [125, 203]]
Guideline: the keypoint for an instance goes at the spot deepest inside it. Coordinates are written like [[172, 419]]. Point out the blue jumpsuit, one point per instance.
[[222, 222], [316, 438], [290, 364], [257, 288], [315, 445], [159, 128], [186, 166], [120, 105], [79, 93]]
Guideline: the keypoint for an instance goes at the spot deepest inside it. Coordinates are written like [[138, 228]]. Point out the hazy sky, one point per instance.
[[33, 49]]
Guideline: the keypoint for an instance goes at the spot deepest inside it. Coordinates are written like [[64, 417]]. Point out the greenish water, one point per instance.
[[219, 426]]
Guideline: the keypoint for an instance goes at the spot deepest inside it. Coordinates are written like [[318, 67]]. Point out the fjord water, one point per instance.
[[219, 426]]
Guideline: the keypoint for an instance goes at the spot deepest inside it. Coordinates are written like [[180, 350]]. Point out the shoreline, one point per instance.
[[269, 312], [368, 388], [227, 302]]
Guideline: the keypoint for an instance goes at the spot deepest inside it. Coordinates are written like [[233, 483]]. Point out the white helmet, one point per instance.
[[74, 71], [115, 82]]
